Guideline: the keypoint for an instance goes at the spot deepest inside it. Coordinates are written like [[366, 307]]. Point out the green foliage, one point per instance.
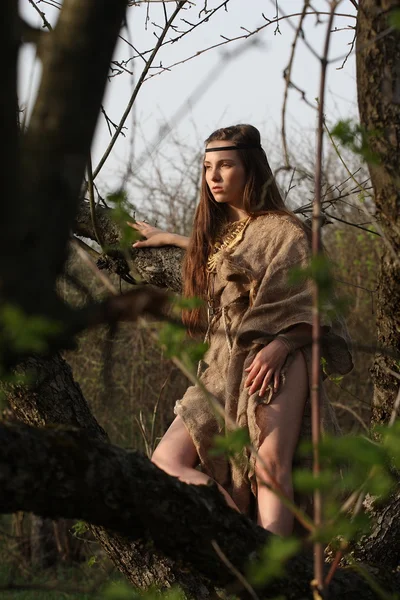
[[121, 590], [394, 18], [173, 336], [320, 270], [121, 213], [174, 341], [390, 437], [79, 528], [25, 333], [351, 464], [43, 584], [362, 451], [272, 560], [181, 303], [343, 527], [92, 560], [355, 137], [232, 443], [304, 480]]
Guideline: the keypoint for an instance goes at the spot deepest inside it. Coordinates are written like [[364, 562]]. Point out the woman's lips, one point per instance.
[[217, 189]]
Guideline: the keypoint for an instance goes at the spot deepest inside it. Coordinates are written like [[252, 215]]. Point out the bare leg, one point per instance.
[[280, 424], [176, 455]]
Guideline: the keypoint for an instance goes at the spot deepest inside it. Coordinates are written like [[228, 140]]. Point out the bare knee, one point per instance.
[[176, 452], [165, 463], [272, 470]]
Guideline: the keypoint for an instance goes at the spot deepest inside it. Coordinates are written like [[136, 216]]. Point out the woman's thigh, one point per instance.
[[176, 447], [280, 421]]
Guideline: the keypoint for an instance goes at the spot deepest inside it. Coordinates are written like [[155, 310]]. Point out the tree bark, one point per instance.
[[378, 84], [157, 266], [54, 473], [384, 540]]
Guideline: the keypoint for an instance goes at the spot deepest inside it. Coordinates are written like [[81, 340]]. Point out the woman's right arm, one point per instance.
[[156, 237]]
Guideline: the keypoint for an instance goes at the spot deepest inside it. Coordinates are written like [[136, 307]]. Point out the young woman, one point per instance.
[[243, 246]]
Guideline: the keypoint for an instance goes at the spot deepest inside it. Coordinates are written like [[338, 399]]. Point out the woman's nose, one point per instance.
[[215, 175]]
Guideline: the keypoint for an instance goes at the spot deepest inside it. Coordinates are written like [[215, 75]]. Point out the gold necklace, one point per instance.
[[229, 237]]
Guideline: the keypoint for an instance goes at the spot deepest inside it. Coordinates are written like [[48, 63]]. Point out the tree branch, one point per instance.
[[56, 472], [158, 266]]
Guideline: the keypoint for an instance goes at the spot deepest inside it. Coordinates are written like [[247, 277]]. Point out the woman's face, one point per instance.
[[225, 174]]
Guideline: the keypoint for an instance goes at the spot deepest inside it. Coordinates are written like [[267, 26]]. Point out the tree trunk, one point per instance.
[[53, 397], [39, 199], [55, 472], [378, 84], [44, 552]]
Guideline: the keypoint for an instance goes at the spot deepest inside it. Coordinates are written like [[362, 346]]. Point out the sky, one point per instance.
[[214, 89]]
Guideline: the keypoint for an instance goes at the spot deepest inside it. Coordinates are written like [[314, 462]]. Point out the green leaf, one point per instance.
[[175, 342], [120, 590], [271, 564], [390, 437], [355, 137], [232, 443], [357, 450], [26, 333], [344, 526], [380, 483], [91, 561], [183, 303], [79, 528], [394, 18], [305, 481], [121, 213]]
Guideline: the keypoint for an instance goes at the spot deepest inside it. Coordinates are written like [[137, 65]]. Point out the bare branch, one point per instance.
[[137, 88]]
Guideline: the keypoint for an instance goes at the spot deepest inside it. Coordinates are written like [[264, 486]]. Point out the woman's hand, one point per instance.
[[155, 237], [266, 366]]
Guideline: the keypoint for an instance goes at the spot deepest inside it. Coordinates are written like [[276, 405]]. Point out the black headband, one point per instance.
[[236, 147]]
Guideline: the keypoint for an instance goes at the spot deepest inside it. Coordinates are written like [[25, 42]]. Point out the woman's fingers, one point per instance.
[[254, 369], [277, 376], [257, 380], [136, 225], [261, 378], [140, 226], [266, 381]]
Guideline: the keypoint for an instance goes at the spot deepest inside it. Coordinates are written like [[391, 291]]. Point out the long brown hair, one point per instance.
[[261, 195]]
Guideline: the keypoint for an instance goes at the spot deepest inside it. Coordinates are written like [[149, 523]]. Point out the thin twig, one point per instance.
[[42, 15], [361, 205], [353, 41], [397, 375], [137, 88], [331, 216], [86, 258], [238, 38], [352, 412], [233, 569], [395, 410], [287, 75], [318, 583], [92, 202]]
